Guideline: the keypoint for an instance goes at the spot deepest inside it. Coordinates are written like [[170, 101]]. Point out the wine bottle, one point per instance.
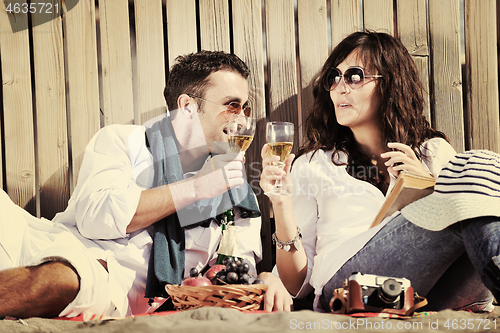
[[228, 246]]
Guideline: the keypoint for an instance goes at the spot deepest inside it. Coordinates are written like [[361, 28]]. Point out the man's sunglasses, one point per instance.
[[233, 108], [354, 77]]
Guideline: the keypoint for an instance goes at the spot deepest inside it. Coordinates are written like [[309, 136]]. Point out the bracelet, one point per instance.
[[286, 245]]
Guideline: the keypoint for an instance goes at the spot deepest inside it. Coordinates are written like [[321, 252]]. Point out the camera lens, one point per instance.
[[336, 304], [390, 290]]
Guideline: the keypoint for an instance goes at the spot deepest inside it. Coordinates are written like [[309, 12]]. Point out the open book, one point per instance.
[[408, 188]]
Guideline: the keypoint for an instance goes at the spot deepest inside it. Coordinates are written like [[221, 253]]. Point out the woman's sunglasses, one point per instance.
[[354, 77]]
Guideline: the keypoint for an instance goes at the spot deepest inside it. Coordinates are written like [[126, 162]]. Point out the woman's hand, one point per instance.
[[403, 159], [292, 265], [276, 297], [271, 173]]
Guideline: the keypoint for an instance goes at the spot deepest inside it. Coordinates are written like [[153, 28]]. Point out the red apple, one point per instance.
[[212, 272], [196, 282]]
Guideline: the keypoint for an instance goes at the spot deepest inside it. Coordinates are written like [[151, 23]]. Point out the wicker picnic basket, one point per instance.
[[240, 297]]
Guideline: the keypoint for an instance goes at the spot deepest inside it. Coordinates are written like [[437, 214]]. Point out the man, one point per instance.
[[101, 265]]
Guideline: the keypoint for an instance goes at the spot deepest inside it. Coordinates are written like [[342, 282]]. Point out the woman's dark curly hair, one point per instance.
[[401, 110]]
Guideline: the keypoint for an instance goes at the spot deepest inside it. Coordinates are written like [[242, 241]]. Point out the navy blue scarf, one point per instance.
[[167, 261]]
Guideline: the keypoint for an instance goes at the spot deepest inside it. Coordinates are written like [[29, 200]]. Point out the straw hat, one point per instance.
[[468, 186]]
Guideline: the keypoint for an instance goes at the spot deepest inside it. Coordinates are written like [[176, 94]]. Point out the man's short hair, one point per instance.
[[189, 74]]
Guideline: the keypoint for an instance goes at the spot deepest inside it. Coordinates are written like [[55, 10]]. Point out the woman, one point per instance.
[[367, 125]]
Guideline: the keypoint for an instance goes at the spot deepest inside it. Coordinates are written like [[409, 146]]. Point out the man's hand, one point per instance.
[[277, 297], [215, 177], [219, 174]]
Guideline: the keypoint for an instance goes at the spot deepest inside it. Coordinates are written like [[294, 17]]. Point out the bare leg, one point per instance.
[[38, 291]]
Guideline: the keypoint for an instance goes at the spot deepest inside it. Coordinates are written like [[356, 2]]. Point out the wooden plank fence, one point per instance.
[[105, 61]]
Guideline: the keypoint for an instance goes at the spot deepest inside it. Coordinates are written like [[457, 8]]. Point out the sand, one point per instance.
[[218, 320]]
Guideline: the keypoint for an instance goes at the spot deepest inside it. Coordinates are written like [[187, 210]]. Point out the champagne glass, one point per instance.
[[280, 142], [240, 132]]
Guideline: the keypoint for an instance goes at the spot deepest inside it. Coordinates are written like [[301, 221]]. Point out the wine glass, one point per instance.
[[240, 132], [279, 137]]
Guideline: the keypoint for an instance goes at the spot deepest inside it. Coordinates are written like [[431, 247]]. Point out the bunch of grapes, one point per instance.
[[236, 272]]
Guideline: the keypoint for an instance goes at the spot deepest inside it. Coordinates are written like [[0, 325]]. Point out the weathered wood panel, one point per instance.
[[1, 144], [51, 123], [313, 51], [483, 130], [1, 154], [82, 81], [345, 18], [116, 62], [150, 60], [249, 46], [282, 78], [282, 61], [379, 15], [446, 88], [181, 28], [214, 25], [18, 136], [412, 31]]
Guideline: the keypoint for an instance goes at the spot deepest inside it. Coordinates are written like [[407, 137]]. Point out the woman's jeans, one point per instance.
[[447, 267]]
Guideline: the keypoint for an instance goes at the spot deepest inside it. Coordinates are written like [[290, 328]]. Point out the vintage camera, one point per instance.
[[373, 293]]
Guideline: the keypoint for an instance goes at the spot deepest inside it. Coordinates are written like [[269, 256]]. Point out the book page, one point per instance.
[[408, 188]]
